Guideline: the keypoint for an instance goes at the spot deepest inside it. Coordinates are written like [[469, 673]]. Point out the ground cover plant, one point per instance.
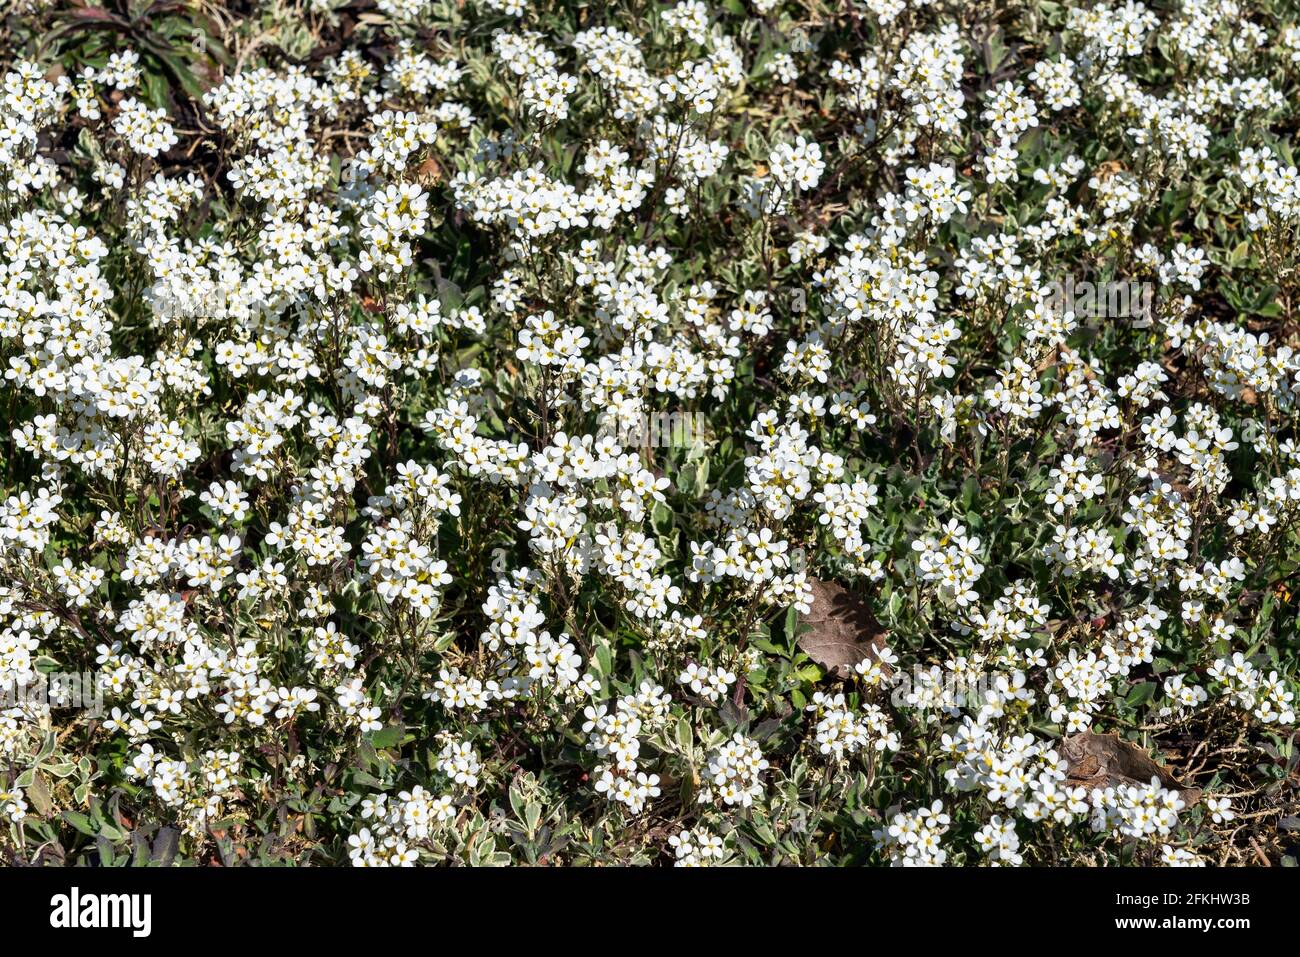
[[735, 432]]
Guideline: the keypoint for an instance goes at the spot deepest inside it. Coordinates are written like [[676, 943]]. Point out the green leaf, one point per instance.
[[81, 822], [387, 737]]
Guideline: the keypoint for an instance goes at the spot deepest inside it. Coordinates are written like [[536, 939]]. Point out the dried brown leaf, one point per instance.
[[429, 173], [1104, 760], [842, 630]]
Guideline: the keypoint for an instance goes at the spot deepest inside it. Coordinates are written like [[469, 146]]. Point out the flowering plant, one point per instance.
[[518, 431]]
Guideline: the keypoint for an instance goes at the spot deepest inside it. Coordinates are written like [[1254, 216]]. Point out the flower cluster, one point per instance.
[[692, 433]]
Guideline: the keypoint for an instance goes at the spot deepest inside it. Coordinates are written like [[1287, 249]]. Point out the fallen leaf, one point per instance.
[[1104, 760], [842, 630], [429, 173]]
